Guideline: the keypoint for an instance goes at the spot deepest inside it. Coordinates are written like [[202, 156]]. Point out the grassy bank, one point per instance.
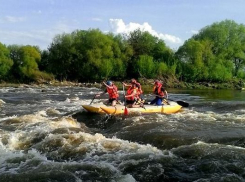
[[168, 83]]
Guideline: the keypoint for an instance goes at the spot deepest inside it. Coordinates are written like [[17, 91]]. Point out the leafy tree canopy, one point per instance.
[[216, 53], [5, 61]]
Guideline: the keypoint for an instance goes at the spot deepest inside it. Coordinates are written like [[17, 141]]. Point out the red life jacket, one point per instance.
[[158, 90], [112, 92], [130, 91], [140, 91]]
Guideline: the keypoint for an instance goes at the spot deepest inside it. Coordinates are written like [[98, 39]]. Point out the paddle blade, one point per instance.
[[183, 104], [125, 111], [92, 100]]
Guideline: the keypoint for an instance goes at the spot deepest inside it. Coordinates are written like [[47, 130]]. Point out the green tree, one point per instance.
[[29, 57], [143, 43], [216, 53], [161, 69], [5, 61], [192, 55], [88, 55], [122, 55], [146, 66], [26, 60], [60, 56], [228, 40]]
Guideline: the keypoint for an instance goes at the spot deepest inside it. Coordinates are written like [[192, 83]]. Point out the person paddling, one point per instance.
[[132, 96], [138, 85], [160, 92], [140, 100], [112, 90]]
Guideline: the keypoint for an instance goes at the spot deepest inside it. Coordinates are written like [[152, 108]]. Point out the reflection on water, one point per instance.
[[207, 94], [210, 94]]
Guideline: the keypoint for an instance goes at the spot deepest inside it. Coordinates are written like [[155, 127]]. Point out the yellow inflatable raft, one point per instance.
[[173, 107]]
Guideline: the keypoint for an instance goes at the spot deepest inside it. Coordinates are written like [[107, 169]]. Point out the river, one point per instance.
[[46, 136]]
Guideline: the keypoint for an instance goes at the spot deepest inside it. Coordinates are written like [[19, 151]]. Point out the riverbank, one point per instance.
[[50, 83], [168, 83], [171, 82]]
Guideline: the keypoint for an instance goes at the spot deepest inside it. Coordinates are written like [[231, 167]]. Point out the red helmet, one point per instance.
[[157, 83]]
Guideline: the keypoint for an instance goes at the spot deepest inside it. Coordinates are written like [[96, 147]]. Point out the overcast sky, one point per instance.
[[36, 22]]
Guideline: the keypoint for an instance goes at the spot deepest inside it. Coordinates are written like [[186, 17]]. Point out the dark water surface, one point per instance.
[[45, 135]]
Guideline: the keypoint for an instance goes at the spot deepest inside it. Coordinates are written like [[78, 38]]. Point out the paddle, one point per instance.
[[142, 105], [125, 108], [181, 103], [92, 100]]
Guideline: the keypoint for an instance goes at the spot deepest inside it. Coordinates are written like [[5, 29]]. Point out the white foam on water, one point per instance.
[[14, 140], [5, 89], [8, 117], [161, 117], [38, 117], [2, 102], [46, 101], [241, 111], [67, 100], [13, 167], [217, 145], [41, 113], [28, 126], [65, 122], [137, 119], [98, 142], [126, 178], [210, 116], [52, 111], [74, 99]]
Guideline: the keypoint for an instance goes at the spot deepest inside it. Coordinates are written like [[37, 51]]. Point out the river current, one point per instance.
[[46, 136]]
